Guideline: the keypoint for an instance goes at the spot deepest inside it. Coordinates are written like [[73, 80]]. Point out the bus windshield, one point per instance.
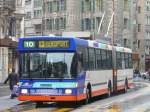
[[48, 65]]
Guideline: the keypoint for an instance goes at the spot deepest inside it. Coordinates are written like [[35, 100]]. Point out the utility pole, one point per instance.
[[114, 54]]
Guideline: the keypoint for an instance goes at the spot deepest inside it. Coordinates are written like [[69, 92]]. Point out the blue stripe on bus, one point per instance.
[[50, 84], [50, 91]]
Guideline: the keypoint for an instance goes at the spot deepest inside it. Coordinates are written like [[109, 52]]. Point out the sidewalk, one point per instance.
[[4, 90], [6, 102]]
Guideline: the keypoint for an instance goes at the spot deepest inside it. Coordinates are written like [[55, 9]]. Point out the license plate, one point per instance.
[[45, 91]]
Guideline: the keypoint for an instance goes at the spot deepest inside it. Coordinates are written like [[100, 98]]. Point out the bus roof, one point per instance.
[[60, 44]]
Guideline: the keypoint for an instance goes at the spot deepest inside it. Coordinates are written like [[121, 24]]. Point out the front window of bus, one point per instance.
[[49, 65]]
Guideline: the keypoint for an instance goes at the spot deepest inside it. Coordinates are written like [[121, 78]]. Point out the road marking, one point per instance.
[[63, 110], [114, 108]]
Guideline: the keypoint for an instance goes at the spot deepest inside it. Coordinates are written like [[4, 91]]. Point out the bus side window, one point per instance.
[[77, 64]]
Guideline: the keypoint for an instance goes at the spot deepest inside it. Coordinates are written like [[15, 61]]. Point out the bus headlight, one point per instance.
[[68, 91], [24, 91]]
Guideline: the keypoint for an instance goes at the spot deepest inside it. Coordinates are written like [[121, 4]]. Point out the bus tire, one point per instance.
[[109, 89], [126, 85]]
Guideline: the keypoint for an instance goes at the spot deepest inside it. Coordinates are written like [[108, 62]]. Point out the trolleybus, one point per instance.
[[60, 69]]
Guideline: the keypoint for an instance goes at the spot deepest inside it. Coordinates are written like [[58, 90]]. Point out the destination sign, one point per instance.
[[46, 44]]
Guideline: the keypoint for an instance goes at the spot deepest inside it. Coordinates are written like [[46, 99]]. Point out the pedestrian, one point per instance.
[[13, 80]]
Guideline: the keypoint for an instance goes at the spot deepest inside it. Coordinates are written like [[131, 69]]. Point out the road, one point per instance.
[[136, 99]]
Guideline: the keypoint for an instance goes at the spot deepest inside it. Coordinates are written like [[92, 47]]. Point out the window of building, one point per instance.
[[125, 23], [99, 4], [49, 7], [28, 15], [86, 5], [57, 23], [27, 2], [98, 19], [82, 6], [62, 5], [93, 5], [62, 23], [82, 24], [19, 3], [93, 23], [148, 34], [49, 24], [55, 6], [38, 28], [126, 5], [148, 5], [139, 27], [139, 9], [87, 24], [148, 20], [37, 3], [138, 43], [37, 13]]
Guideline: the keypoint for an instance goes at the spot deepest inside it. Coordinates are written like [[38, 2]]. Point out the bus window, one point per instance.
[[130, 61], [91, 59], [84, 52], [77, 64], [119, 60], [103, 53], [126, 60], [98, 59], [109, 59], [49, 65]]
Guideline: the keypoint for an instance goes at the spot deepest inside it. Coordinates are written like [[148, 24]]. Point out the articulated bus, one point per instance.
[[57, 69]]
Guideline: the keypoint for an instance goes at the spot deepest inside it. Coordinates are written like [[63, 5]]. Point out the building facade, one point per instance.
[[10, 29], [141, 33], [44, 17]]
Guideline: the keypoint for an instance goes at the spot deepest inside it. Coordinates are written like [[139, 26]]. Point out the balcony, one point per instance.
[[36, 21]]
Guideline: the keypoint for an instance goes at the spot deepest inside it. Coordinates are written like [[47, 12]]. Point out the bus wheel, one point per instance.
[[126, 85], [39, 104], [109, 89], [88, 96]]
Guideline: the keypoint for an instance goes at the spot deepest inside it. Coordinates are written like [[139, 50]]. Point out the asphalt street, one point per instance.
[[136, 99]]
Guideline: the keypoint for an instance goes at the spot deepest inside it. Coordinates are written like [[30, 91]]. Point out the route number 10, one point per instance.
[[29, 44]]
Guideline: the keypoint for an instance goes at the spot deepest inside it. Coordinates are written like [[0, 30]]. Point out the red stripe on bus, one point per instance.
[[99, 92], [47, 98], [52, 98], [121, 87], [81, 97]]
